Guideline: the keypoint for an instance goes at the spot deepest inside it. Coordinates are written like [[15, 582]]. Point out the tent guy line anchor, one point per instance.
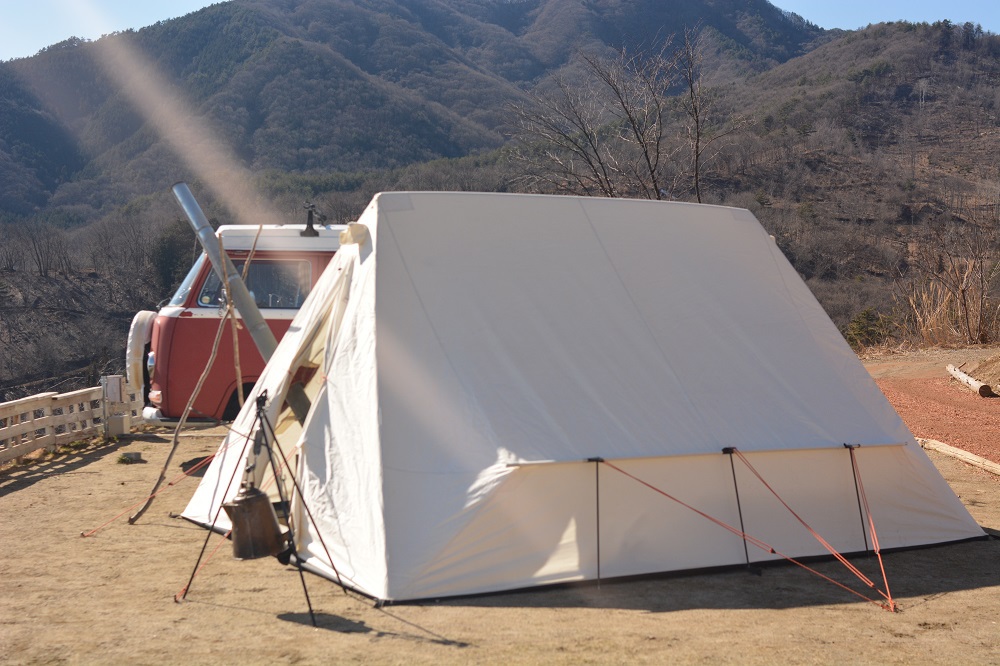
[[840, 558], [871, 524]]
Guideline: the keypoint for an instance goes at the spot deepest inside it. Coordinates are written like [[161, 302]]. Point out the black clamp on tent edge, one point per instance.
[[729, 450], [596, 459]]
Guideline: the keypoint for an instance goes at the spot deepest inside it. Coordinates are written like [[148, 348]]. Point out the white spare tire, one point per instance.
[[140, 333]]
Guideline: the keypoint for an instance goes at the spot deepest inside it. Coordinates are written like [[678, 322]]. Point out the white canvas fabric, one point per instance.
[[477, 349]]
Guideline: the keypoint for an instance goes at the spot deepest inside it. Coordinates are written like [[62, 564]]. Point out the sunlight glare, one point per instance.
[[191, 138]]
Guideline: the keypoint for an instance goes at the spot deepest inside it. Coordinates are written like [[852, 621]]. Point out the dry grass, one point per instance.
[[934, 311], [941, 318]]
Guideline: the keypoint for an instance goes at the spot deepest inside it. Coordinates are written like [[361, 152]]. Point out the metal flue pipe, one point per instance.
[[254, 321], [261, 333]]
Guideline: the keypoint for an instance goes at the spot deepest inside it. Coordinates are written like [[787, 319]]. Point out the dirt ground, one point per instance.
[[109, 598], [936, 406]]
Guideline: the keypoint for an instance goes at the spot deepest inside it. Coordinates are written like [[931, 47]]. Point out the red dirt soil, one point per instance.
[[934, 405]]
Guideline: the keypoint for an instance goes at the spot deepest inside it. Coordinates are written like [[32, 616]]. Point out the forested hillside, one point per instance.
[[872, 161], [867, 154], [330, 84]]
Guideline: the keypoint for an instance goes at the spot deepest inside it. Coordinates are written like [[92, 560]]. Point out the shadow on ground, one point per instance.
[[329, 622], [915, 577], [342, 625], [23, 476], [195, 466]]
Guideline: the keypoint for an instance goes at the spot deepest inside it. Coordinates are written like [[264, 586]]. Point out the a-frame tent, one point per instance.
[[473, 358]]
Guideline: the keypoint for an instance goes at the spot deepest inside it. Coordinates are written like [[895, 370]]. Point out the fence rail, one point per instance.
[[49, 420]]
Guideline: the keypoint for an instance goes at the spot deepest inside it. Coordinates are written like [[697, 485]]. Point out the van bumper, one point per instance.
[[152, 415]]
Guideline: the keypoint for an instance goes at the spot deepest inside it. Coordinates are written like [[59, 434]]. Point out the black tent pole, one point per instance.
[[305, 506], [285, 504], [597, 506], [857, 493], [739, 508]]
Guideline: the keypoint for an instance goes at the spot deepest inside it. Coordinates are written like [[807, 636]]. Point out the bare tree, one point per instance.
[[606, 137], [121, 247], [617, 133], [703, 132], [46, 247], [11, 248]]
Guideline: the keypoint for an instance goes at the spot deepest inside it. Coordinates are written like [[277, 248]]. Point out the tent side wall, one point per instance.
[[563, 522], [519, 329]]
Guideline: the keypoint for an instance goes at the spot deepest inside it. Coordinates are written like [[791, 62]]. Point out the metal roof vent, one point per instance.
[[309, 231]]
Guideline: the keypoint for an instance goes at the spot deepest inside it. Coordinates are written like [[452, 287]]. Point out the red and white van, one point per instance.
[[168, 350]]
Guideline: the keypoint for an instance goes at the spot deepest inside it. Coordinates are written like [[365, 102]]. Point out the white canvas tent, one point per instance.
[[473, 353]]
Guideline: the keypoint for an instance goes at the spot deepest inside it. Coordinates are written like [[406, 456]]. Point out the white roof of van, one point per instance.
[[281, 237]]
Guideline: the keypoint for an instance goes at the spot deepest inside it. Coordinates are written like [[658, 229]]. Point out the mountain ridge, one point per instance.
[[335, 84], [863, 146]]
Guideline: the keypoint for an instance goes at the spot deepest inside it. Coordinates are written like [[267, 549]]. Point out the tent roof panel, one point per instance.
[[564, 328]]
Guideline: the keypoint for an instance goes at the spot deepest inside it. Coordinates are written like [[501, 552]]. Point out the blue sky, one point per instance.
[[26, 26], [852, 14]]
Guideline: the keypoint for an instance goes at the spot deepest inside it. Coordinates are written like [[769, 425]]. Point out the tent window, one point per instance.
[[273, 284]]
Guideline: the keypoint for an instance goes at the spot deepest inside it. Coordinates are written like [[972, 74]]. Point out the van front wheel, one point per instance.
[[232, 409]]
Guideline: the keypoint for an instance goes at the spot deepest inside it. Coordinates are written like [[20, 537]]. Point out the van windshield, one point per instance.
[[273, 284], [182, 291]]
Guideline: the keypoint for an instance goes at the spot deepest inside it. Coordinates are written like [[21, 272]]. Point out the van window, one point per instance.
[[273, 284], [182, 291]]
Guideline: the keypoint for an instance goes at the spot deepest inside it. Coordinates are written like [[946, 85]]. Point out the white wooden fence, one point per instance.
[[49, 420]]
